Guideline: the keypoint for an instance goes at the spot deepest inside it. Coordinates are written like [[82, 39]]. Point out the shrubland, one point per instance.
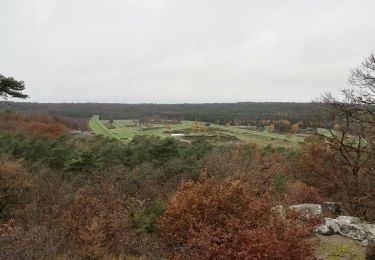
[[227, 219], [90, 197], [71, 196]]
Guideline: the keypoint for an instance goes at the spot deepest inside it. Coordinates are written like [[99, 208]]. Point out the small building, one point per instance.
[[80, 132], [177, 134], [75, 132]]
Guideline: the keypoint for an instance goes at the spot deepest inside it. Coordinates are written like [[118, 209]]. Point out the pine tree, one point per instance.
[[9, 87]]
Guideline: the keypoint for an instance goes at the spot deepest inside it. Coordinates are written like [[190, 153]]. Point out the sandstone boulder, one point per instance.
[[341, 220], [308, 210], [349, 227]]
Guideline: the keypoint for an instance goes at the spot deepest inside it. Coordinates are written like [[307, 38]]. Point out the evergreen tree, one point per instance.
[[9, 87]]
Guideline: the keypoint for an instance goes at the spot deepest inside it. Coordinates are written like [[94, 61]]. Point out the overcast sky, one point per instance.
[[177, 51]]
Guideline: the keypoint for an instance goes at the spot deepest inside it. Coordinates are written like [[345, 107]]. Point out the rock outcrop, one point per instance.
[[308, 210], [332, 208], [348, 226]]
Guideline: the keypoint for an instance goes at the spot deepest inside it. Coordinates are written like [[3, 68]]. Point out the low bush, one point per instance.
[[221, 219]]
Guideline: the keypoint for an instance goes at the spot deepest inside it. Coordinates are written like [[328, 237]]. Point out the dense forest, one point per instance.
[[246, 113]]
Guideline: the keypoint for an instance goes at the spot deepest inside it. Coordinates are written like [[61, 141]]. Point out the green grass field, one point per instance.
[[126, 130], [98, 128]]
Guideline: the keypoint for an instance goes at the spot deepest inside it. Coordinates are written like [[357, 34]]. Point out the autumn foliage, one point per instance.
[[325, 170], [50, 125], [65, 196], [96, 220], [15, 188], [219, 219], [299, 192], [43, 128]]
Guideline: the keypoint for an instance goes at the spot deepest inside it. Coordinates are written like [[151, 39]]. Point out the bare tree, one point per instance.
[[351, 133], [363, 78]]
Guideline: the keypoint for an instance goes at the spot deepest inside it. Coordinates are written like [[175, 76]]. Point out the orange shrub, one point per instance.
[[221, 219], [239, 240], [324, 168], [15, 189], [299, 192], [18, 242], [39, 123], [207, 202], [95, 221], [43, 128], [256, 169]]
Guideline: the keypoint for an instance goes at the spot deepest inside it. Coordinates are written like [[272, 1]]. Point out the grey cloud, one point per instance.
[[183, 50]]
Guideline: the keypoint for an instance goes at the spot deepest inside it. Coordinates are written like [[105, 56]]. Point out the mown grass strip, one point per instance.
[[98, 128]]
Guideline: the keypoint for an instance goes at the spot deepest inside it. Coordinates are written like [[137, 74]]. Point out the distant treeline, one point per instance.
[[246, 113]]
